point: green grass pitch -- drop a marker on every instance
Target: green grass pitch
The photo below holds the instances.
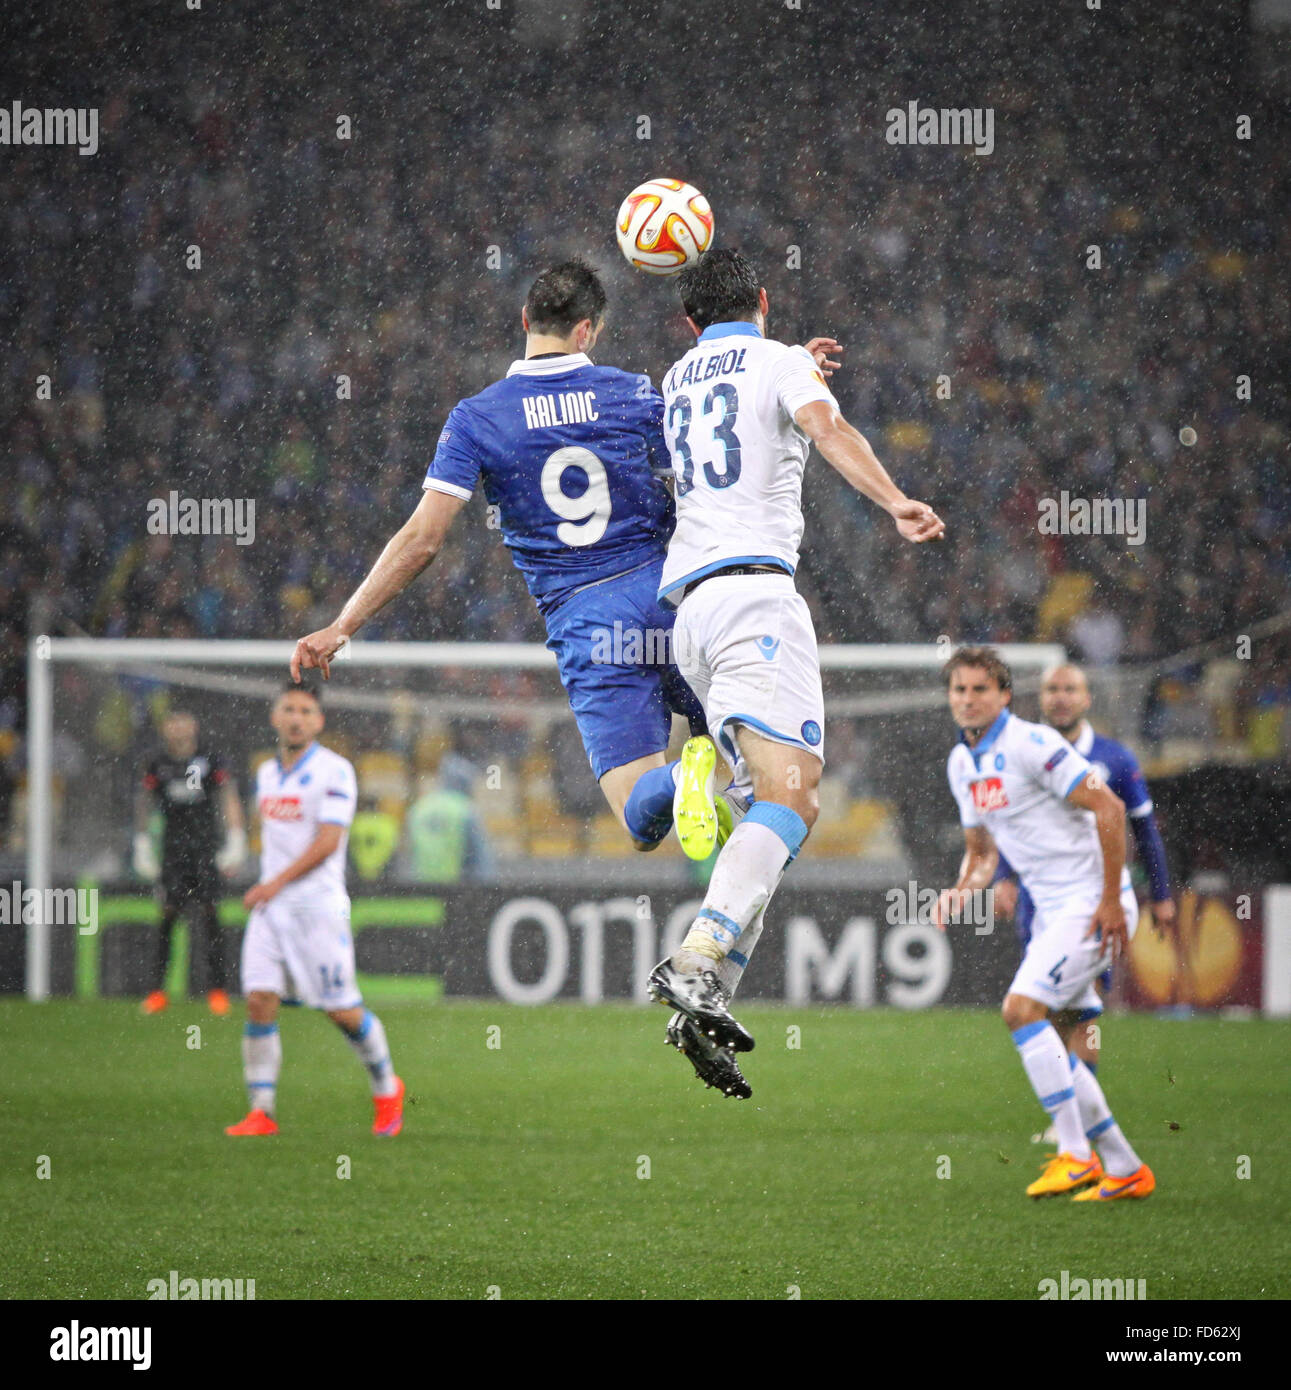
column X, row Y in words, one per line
column 523, row 1168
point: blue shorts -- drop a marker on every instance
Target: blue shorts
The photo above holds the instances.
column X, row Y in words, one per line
column 613, row 644
column 1023, row 918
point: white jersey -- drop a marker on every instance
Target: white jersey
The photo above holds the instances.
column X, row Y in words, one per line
column 319, row 789
column 737, row 455
column 1016, row 783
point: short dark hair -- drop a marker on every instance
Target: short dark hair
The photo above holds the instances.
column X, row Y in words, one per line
column 304, row 687
column 563, row 296
column 720, row 286
column 983, row 659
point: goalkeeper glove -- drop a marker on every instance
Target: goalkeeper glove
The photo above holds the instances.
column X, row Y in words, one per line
column 145, row 857
column 234, row 852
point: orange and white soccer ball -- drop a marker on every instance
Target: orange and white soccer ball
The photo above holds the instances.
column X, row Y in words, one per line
column 664, row 226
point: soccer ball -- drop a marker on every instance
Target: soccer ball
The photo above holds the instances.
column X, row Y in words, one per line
column 664, row 226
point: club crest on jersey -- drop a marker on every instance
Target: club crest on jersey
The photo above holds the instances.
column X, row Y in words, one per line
column 989, row 794
column 811, row 732
column 281, row 808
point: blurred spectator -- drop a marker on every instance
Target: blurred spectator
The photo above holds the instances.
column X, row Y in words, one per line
column 445, row 841
column 374, row 837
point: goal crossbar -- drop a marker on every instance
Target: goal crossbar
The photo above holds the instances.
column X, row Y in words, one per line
column 44, row 652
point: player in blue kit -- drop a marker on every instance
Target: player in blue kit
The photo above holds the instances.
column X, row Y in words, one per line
column 1064, row 705
column 574, row 458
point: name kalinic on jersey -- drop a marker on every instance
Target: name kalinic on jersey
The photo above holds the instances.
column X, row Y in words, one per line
column 569, row 408
column 572, row 456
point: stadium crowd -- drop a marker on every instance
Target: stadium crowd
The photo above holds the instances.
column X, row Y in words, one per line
column 350, row 290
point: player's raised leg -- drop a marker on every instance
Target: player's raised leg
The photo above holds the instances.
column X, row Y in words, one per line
column 650, row 796
column 640, row 794
column 785, row 779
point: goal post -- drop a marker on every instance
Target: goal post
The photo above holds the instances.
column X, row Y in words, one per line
column 399, row 707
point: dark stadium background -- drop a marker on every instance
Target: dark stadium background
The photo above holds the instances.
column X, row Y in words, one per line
column 517, row 129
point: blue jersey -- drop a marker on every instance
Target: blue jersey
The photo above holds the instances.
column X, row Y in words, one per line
column 573, row 456
column 1122, row 774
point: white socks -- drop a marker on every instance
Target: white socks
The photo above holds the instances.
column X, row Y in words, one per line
column 373, row 1051
column 1049, row 1073
column 730, row 970
column 744, row 877
column 1119, row 1159
column 261, row 1063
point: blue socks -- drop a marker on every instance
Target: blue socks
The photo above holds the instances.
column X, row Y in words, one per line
column 648, row 812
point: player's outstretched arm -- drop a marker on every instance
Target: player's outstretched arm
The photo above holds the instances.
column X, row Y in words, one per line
column 846, row 449
column 976, row 873
column 1109, row 817
column 408, row 552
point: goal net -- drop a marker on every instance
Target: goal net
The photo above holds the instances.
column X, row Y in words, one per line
column 473, row 788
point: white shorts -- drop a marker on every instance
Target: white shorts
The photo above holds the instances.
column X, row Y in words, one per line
column 302, row 949
column 747, row 648
column 1061, row 963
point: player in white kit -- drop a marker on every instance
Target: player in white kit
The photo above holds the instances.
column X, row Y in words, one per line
column 740, row 414
column 298, row 944
column 1023, row 788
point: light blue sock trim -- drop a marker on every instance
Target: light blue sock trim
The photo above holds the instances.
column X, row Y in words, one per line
column 1028, row 1031
column 364, row 1028
column 259, row 1030
column 737, row 958
column 1100, row 1127
column 1052, row 1102
column 726, row 926
column 783, row 820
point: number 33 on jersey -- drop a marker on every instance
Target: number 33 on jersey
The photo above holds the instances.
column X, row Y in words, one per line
column 737, row 455
column 572, row 455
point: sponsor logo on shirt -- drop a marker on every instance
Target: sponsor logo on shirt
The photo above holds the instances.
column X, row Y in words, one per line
column 281, row 808
column 988, row 794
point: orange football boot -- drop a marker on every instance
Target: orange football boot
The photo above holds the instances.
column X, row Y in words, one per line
column 257, row 1122
column 389, row 1112
column 1063, row 1173
column 1110, row 1189
column 155, row 1002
